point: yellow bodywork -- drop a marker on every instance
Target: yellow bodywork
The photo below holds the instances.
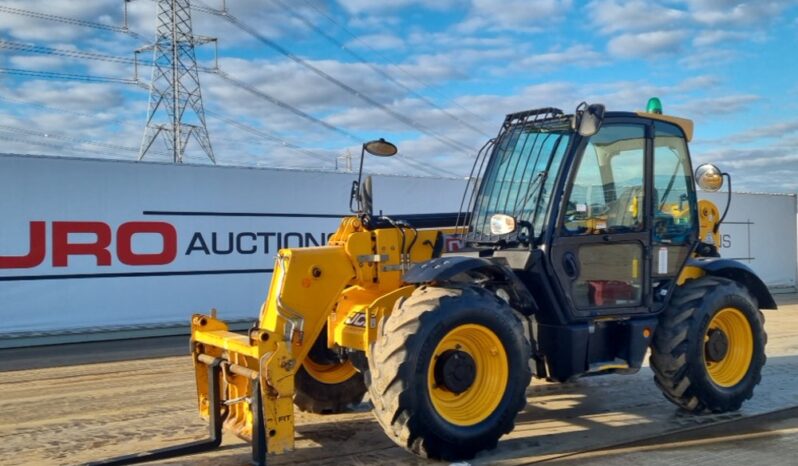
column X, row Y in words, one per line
column 683, row 123
column 349, row 286
column 708, row 230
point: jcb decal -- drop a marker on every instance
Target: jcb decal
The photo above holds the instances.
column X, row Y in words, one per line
column 357, row 319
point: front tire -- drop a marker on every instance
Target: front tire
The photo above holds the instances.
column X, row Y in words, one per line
column 449, row 372
column 709, row 348
column 326, row 384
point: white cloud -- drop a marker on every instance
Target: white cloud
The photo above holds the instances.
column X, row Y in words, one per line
column 612, row 16
column 647, row 44
column 752, row 168
column 524, row 15
column 710, row 58
column 489, row 64
column 29, row 28
column 722, row 105
column 361, row 6
column 735, row 12
column 780, row 130
column 580, row 55
column 85, row 96
column 37, row 62
column 719, row 36
column 382, row 41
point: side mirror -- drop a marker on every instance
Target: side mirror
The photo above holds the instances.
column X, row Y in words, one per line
column 360, row 194
column 709, row 177
column 381, row 148
column 588, row 119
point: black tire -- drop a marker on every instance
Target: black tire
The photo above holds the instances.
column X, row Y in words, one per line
column 312, row 395
column 678, row 353
column 401, row 360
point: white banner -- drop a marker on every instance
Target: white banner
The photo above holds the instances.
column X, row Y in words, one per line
column 760, row 231
column 93, row 243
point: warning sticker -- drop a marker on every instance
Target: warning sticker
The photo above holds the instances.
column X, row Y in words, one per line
column 662, row 263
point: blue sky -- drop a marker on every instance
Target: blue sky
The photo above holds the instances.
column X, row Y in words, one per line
column 457, row 67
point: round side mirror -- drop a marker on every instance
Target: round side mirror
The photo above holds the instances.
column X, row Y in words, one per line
column 708, row 177
column 381, row 148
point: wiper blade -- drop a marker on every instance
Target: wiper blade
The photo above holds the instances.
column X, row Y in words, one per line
column 541, row 175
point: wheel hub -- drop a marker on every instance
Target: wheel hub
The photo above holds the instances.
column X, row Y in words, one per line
column 717, row 346
column 455, row 371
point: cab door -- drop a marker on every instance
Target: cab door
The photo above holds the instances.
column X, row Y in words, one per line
column 600, row 249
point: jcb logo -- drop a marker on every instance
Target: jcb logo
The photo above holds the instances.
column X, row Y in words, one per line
column 356, row 320
column 63, row 247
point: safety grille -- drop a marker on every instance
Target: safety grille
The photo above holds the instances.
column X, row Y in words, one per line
column 510, row 171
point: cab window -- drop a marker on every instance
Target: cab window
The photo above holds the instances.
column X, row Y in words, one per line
column 607, row 194
column 673, row 217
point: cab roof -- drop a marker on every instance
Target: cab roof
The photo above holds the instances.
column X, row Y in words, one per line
column 555, row 114
column 685, row 124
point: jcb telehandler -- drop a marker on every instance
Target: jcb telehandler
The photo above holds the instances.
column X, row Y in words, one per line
column 582, row 246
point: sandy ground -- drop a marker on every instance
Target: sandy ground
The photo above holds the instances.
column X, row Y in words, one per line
column 70, row 414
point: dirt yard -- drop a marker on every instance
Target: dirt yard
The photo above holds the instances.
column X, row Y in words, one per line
column 78, row 413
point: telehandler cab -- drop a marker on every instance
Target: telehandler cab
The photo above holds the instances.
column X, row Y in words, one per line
column 582, row 246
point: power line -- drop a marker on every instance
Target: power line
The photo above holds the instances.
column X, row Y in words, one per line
column 240, row 84
column 258, row 132
column 72, row 21
column 39, row 142
column 111, row 58
column 371, row 101
column 288, row 107
column 43, row 50
column 117, row 59
column 59, row 109
column 384, row 58
column 80, row 54
column 65, row 76
column 126, row 60
column 62, row 137
column 301, row 114
column 261, row 94
column 267, row 135
column 374, row 67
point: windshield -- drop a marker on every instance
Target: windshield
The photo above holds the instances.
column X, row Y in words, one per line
column 520, row 175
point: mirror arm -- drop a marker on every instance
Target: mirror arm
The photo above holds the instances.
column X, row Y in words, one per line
column 526, row 232
column 353, row 197
column 728, row 204
column 360, row 170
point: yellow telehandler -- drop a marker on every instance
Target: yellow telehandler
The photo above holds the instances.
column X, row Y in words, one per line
column 582, row 245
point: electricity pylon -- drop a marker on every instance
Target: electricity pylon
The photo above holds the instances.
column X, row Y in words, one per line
column 175, row 107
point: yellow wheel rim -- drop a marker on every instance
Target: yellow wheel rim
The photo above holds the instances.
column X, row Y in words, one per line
column 478, row 401
column 731, row 369
column 330, row 374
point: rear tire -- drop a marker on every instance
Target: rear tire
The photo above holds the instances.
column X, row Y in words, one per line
column 688, row 366
column 417, row 405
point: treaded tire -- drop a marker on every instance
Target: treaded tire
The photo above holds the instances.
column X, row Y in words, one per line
column 400, row 362
column 313, row 396
column 677, row 351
